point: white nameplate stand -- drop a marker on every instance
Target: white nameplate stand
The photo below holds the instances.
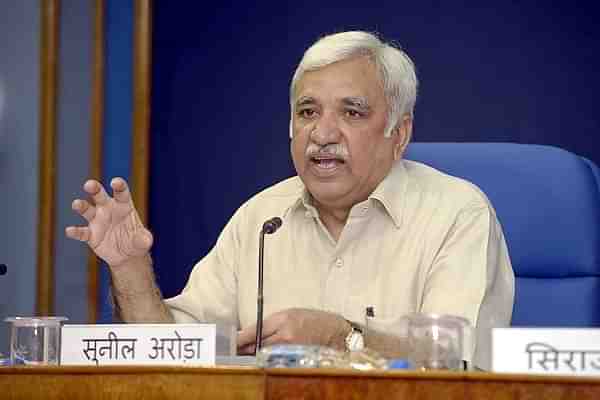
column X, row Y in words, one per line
column 138, row 344
column 562, row 351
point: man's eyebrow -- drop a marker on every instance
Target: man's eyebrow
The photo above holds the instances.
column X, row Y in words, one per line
column 304, row 100
column 359, row 102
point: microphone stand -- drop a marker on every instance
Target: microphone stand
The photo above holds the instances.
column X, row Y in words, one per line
column 260, row 298
column 270, row 226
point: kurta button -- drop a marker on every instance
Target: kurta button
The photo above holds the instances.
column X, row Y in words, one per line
column 339, row 263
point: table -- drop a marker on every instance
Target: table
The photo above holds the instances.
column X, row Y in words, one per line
column 183, row 383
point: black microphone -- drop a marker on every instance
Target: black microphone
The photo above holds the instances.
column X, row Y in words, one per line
column 269, row 227
column 3, row 269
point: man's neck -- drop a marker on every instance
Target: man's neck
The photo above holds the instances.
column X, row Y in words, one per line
column 334, row 219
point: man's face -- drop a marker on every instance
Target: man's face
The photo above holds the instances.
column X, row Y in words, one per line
column 341, row 106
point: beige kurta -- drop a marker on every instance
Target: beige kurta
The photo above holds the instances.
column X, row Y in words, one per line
column 423, row 241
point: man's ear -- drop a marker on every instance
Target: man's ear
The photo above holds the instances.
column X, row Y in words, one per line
column 402, row 135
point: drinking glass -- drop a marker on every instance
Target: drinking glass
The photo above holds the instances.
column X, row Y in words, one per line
column 435, row 341
column 35, row 340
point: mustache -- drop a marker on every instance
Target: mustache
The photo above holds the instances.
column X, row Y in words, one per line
column 334, row 149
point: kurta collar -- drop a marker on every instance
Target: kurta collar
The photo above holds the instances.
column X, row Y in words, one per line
column 390, row 193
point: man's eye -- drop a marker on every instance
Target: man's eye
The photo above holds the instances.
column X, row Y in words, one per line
column 307, row 113
column 353, row 114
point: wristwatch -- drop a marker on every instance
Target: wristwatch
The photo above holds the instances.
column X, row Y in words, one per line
column 355, row 340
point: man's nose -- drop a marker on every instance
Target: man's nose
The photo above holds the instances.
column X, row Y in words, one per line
column 325, row 131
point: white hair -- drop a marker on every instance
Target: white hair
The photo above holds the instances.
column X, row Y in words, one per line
column 396, row 69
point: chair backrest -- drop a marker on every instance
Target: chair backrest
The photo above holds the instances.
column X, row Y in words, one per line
column 548, row 202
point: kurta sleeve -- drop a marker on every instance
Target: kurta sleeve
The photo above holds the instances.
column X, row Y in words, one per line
column 210, row 292
column 472, row 277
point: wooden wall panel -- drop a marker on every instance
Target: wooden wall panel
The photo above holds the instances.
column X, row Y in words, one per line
column 97, row 129
column 50, row 12
column 142, row 75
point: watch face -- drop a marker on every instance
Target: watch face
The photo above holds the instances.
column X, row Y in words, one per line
column 355, row 341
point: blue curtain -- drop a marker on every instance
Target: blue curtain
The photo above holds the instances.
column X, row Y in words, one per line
column 220, row 111
column 117, row 112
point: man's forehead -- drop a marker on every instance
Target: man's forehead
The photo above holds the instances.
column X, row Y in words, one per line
column 353, row 82
column 356, row 101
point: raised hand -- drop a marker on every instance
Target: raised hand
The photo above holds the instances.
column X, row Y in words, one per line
column 114, row 231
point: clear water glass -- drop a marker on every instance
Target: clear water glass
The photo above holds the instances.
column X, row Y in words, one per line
column 435, row 341
column 35, row 340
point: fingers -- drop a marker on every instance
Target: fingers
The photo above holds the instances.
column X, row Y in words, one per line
column 120, row 190
column 99, row 195
column 96, row 190
column 81, row 233
column 103, row 216
column 246, row 336
column 84, row 208
column 249, row 349
column 276, row 339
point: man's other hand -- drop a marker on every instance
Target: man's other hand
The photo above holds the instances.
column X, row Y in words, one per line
column 296, row 326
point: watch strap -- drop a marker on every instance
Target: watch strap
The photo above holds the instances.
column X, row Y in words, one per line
column 354, row 340
column 355, row 327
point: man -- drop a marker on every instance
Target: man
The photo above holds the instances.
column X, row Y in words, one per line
column 361, row 227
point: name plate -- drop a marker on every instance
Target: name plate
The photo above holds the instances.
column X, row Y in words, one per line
column 563, row 351
column 138, row 344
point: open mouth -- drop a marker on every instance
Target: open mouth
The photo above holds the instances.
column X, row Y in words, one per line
column 327, row 163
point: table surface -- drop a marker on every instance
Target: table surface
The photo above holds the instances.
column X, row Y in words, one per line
column 183, row 383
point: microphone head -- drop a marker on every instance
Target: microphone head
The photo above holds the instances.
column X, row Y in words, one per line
column 3, row 269
column 271, row 225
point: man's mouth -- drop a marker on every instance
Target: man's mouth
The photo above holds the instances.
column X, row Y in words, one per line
column 326, row 162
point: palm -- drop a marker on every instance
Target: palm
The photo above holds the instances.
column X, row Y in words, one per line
column 114, row 231
column 112, row 239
